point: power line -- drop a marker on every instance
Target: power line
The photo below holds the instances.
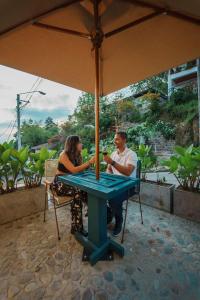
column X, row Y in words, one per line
column 35, row 88
column 12, row 129
column 32, row 87
column 19, row 107
column 28, row 98
column 39, row 83
column 4, row 132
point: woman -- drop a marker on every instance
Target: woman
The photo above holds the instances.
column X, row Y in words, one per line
column 70, row 162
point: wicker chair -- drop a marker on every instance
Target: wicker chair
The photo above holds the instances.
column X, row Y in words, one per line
column 137, row 192
column 58, row 201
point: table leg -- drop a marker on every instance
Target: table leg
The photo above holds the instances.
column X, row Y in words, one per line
column 97, row 220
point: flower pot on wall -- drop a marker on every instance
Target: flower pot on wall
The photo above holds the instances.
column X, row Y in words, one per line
column 157, row 195
column 187, row 204
column 21, row 203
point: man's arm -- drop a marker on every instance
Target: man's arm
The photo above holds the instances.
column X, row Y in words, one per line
column 125, row 170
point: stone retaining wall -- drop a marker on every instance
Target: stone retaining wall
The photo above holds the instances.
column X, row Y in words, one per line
column 21, row 203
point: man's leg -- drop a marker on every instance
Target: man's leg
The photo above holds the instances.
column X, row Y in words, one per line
column 116, row 206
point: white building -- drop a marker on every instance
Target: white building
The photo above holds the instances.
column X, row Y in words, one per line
column 183, row 76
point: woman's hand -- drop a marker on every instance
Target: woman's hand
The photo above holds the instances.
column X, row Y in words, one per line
column 92, row 160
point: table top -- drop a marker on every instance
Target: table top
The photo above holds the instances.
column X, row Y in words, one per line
column 107, row 186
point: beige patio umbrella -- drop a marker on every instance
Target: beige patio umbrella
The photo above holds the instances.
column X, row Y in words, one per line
column 98, row 46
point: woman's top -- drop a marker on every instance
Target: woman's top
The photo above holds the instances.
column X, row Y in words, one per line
column 61, row 167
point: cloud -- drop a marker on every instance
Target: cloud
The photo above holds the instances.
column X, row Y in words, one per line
column 58, row 103
column 4, row 86
column 57, row 114
column 4, row 125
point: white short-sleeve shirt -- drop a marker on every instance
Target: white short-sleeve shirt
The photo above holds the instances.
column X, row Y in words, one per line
column 125, row 158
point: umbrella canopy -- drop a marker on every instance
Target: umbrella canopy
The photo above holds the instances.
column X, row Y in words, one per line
column 35, row 37
column 106, row 44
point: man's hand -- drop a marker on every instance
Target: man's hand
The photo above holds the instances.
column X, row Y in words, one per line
column 107, row 159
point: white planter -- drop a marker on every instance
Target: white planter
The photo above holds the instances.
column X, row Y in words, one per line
column 158, row 196
column 21, row 203
column 187, row 204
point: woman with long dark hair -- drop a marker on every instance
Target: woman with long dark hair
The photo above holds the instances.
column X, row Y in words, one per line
column 70, row 162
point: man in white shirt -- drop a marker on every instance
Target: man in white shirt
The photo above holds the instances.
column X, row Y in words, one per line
column 123, row 161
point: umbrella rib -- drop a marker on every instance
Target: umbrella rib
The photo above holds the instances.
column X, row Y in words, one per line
column 44, row 14
column 134, row 23
column 169, row 12
column 62, row 30
column 183, row 17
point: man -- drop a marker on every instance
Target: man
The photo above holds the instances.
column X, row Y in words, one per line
column 123, row 161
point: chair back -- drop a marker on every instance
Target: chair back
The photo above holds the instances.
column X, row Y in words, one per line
column 50, row 169
column 138, row 174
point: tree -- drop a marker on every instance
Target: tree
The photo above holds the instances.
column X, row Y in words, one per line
column 157, row 83
column 49, row 123
column 51, row 127
column 33, row 134
column 84, row 112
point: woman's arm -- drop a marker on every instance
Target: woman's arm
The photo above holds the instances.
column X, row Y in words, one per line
column 109, row 169
column 69, row 165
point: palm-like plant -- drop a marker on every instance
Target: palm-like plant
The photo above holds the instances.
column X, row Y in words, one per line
column 11, row 164
column 35, row 167
column 185, row 165
column 147, row 159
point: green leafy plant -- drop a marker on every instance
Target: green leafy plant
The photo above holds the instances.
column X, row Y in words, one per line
column 185, row 165
column 148, row 160
column 11, row 164
column 166, row 129
column 34, row 169
column 141, row 130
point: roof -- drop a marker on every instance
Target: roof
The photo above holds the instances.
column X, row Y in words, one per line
column 141, row 38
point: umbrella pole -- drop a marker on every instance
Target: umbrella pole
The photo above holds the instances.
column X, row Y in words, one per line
column 97, row 39
column 97, row 96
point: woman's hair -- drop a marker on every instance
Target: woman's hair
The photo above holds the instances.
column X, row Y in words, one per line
column 71, row 149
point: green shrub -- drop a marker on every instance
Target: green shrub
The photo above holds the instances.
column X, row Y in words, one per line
column 33, row 171
column 11, row 165
column 148, row 160
column 18, row 165
column 185, row 165
column 167, row 129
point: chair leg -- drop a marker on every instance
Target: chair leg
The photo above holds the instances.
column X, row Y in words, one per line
column 124, row 225
column 45, row 203
column 140, row 209
column 58, row 232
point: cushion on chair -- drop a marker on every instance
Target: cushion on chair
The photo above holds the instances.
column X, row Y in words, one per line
column 60, row 200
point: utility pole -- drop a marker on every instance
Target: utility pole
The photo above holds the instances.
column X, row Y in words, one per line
column 198, row 85
column 18, row 108
column 19, row 144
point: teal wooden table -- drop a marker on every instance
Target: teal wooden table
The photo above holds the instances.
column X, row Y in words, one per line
column 99, row 191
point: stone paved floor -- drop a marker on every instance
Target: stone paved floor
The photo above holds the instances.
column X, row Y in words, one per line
column 162, row 261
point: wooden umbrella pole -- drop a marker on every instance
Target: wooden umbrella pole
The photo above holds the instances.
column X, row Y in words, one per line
column 97, row 41
column 97, row 96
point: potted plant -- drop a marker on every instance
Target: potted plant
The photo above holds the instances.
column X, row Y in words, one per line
column 33, row 170
column 11, row 163
column 185, row 165
column 157, row 193
column 17, row 201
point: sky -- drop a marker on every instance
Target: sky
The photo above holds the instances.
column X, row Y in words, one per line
column 58, row 103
